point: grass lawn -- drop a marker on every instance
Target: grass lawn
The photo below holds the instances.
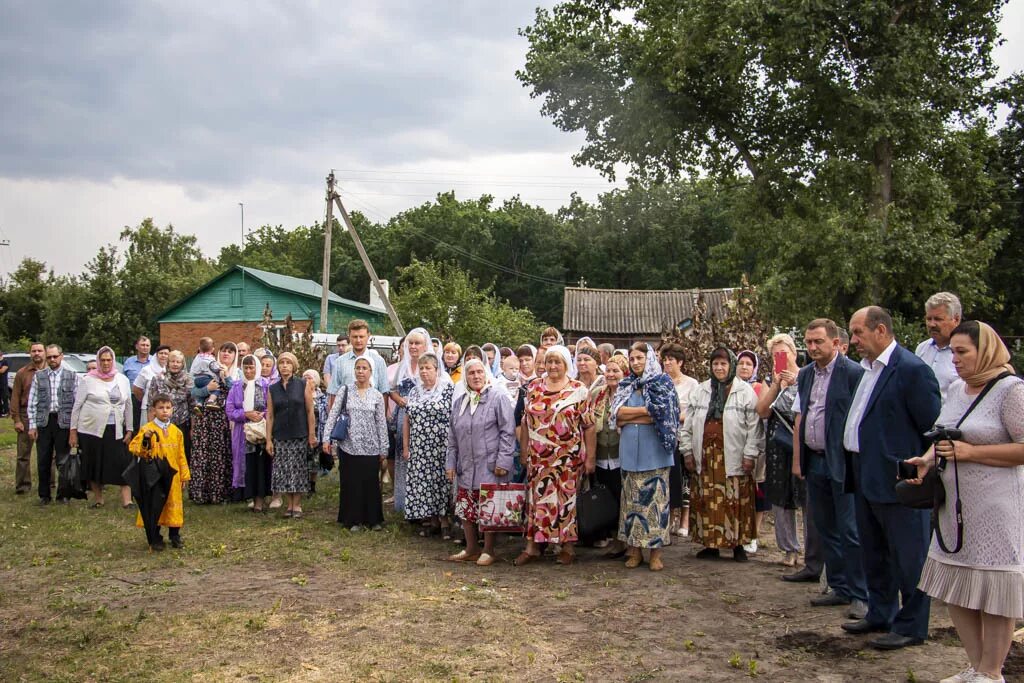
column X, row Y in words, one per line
column 259, row 598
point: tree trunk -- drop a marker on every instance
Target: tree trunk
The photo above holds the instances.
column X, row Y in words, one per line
column 880, row 202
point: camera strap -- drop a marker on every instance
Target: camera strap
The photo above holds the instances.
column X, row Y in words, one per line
column 940, row 466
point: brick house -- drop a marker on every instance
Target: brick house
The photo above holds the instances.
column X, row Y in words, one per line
column 230, row 307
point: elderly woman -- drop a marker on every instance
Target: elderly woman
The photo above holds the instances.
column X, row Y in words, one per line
column 320, row 414
column 212, row 460
column 526, row 355
column 672, row 358
column 557, row 444
column 451, row 357
column 407, row 378
column 291, row 432
column 363, row 451
column 982, row 584
column 425, row 435
column 646, row 412
column 247, row 404
column 608, row 471
column 721, row 439
column 784, row 491
column 481, row 446
column 101, row 423
column 268, row 368
column 177, row 384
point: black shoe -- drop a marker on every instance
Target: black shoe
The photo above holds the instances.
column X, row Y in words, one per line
column 804, row 574
column 157, row 546
column 176, row 542
column 709, row 554
column 739, row 554
column 830, row 600
column 863, row 626
column 894, row 641
column 43, row 502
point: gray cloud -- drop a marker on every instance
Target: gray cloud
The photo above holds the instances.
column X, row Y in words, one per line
column 228, row 92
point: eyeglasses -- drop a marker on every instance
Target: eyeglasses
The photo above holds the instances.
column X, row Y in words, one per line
column 53, row 357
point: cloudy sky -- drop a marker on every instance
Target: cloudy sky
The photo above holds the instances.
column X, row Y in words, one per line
column 115, row 111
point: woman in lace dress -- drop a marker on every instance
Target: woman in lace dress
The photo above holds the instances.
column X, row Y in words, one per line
column 983, row 583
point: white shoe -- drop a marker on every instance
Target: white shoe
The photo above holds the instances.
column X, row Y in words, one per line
column 751, row 547
column 962, row 677
column 275, row 503
column 252, row 504
column 979, row 677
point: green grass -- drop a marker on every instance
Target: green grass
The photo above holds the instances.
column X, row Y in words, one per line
column 8, row 437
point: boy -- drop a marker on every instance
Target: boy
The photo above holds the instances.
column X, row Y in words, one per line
column 160, row 439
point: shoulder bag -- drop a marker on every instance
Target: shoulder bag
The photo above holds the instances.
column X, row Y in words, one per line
column 340, row 431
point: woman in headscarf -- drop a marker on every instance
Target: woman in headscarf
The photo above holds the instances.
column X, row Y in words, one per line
column 407, row 378
column 247, row 403
column 363, row 451
column 425, row 435
column 212, row 458
column 177, row 384
column 588, row 369
column 784, row 491
column 982, row 584
column 608, row 470
column 101, row 422
column 527, row 355
column 558, row 444
column 721, row 439
column 451, row 357
column 746, row 369
column 291, row 432
column 268, row 368
column 493, row 358
column 481, row 444
column 646, row 412
column 320, row 417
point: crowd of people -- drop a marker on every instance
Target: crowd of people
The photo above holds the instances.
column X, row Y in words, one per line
column 680, row 458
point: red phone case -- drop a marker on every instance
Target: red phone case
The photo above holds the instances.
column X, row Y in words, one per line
column 781, row 361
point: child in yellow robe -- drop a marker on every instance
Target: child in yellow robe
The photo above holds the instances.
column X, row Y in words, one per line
column 167, row 442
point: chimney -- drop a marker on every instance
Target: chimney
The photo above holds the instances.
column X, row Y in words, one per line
column 374, row 299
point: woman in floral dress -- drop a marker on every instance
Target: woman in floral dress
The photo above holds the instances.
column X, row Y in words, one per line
column 428, row 492
column 558, row 443
column 407, row 377
column 211, row 462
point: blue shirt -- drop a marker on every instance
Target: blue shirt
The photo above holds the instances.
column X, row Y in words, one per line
column 640, row 448
column 940, row 360
column 329, row 365
column 133, row 366
column 345, row 372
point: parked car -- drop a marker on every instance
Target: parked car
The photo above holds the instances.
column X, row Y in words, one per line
column 16, row 361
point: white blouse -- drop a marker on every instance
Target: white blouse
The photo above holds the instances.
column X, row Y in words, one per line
column 96, row 403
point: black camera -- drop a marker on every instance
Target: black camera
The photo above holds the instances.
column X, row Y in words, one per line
column 943, row 433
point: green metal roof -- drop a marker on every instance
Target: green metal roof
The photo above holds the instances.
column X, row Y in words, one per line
column 305, row 287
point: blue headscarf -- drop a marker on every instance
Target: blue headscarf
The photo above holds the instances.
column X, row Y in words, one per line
column 659, row 398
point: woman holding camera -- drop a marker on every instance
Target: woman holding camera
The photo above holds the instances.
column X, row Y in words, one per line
column 982, row 584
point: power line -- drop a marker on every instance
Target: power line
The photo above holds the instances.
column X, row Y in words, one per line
column 434, row 194
column 458, row 173
column 473, row 257
column 442, row 181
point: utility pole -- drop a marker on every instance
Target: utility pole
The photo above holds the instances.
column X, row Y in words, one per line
column 331, row 194
column 326, row 280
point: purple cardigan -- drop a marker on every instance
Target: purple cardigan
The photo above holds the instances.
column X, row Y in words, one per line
column 480, row 442
column 236, row 414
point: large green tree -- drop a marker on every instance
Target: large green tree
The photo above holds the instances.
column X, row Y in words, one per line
column 838, row 114
column 21, row 315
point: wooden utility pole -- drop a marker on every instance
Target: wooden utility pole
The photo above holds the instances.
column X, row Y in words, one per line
column 325, row 282
column 331, row 194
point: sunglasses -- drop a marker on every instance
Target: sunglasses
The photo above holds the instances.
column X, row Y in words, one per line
column 53, row 357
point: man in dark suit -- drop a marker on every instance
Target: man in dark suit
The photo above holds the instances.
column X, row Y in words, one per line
column 896, row 402
column 825, row 390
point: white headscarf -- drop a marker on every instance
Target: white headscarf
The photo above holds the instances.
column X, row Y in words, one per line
column 249, row 390
column 405, row 369
column 490, row 380
column 473, row 397
column 423, row 395
column 564, row 354
column 496, row 364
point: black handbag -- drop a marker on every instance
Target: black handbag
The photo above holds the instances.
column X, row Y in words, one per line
column 596, row 510
column 69, row 476
column 930, row 494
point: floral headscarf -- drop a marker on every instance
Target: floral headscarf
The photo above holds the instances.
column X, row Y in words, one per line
column 660, row 399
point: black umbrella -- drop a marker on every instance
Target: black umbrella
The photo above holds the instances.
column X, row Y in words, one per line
column 150, row 481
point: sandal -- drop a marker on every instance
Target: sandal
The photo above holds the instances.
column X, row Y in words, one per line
column 128, row 506
column 566, row 557
column 486, row 560
column 463, row 556
column 96, row 505
column 525, row 558
column 287, row 514
column 296, row 514
column 634, row 561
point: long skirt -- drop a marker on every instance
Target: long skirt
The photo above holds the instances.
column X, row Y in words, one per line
column 290, row 474
column 721, row 507
column 644, row 511
column 257, row 473
column 401, row 466
column 553, row 480
column 359, row 502
column 211, row 458
column 103, row 458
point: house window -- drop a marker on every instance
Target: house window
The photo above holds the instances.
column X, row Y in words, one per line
column 236, row 297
